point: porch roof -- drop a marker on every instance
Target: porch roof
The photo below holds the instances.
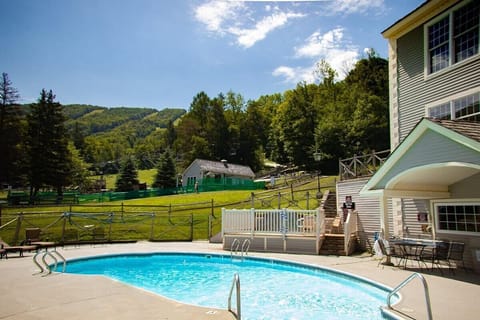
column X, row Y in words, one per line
column 411, row 172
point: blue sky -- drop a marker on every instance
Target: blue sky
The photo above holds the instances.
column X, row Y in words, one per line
column 161, row 53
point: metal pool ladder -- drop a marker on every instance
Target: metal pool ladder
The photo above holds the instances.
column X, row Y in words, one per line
column 55, row 255
column 236, row 285
column 236, row 246
column 404, row 283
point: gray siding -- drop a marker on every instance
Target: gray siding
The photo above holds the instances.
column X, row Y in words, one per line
column 411, row 208
column 432, row 148
column 468, row 188
column 368, row 209
column 416, row 90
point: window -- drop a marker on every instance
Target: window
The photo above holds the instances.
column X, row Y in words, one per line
column 454, row 37
column 465, row 108
column 458, row 217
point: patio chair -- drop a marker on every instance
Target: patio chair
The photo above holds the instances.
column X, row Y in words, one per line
column 20, row 249
column 99, row 235
column 388, row 251
column 455, row 255
column 33, row 237
column 437, row 255
column 70, row 236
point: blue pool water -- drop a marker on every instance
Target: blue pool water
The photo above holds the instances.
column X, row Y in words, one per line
column 269, row 289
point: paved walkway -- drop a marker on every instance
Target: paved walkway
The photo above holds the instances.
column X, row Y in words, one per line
column 66, row 296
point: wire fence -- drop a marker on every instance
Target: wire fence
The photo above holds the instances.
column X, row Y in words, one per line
column 92, row 223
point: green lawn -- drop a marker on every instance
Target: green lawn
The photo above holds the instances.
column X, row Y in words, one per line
column 165, row 218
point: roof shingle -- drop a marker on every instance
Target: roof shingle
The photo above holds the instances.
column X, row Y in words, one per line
column 466, row 128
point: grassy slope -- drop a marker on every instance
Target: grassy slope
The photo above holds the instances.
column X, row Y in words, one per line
column 175, row 217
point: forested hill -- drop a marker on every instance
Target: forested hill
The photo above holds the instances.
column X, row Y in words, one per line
column 96, row 119
column 105, row 135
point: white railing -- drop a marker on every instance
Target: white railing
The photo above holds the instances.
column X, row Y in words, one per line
column 350, row 228
column 275, row 221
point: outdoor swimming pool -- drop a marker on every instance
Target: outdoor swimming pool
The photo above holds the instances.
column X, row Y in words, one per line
column 270, row 289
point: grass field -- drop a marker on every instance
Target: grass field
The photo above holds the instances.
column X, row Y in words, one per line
column 166, row 218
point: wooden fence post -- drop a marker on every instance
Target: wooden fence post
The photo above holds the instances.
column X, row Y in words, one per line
column 213, row 210
column 64, row 224
column 308, row 200
column 209, row 231
column 151, row 225
column 191, row 226
column 17, row 228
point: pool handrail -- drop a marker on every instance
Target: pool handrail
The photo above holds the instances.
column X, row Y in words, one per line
column 404, row 283
column 54, row 254
column 235, row 284
column 245, row 247
column 234, row 247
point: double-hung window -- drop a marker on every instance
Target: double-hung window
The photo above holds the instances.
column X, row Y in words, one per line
column 465, row 107
column 454, row 37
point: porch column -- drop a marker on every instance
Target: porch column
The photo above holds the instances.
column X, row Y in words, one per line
column 384, row 225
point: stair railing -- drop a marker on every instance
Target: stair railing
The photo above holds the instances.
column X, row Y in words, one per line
column 350, row 228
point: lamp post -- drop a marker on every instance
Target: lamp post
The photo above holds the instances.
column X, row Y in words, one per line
column 317, row 156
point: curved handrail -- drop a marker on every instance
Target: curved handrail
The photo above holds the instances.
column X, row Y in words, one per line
column 235, row 284
column 404, row 283
column 37, row 263
column 47, row 253
column 55, row 255
column 245, row 246
column 64, row 261
column 234, row 247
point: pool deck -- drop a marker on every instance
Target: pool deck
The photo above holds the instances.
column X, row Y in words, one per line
column 25, row 296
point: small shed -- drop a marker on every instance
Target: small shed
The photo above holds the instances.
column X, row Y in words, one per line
column 200, row 169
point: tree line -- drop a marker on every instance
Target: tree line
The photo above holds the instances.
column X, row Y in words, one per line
column 43, row 148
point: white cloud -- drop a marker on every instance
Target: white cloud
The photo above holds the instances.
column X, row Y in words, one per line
column 229, row 17
column 248, row 37
column 331, row 47
column 214, row 13
column 354, row 6
column 295, row 75
column 318, row 44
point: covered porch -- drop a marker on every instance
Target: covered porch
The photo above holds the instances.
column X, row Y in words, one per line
column 429, row 187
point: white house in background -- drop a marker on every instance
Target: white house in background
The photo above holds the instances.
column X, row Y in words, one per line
column 220, row 170
column 430, row 184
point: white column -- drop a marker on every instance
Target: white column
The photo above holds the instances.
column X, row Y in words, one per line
column 384, row 225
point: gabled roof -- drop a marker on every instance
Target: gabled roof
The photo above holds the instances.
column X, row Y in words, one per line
column 427, row 179
column 423, row 13
column 226, row 168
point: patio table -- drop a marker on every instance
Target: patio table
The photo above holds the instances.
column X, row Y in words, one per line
column 413, row 249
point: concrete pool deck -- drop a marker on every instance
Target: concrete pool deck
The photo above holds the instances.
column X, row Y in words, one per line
column 24, row 295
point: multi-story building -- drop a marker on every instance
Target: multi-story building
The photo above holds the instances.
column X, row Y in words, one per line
column 429, row 185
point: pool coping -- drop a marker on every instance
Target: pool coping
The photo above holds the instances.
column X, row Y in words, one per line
column 60, row 296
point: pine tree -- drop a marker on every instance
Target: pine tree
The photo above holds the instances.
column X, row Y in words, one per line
column 166, row 173
column 47, row 144
column 128, row 178
column 12, row 131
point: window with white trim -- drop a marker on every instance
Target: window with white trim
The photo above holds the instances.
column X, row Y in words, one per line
column 458, row 217
column 454, row 37
column 466, row 108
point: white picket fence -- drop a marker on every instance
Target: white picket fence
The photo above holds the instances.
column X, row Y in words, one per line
column 275, row 221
